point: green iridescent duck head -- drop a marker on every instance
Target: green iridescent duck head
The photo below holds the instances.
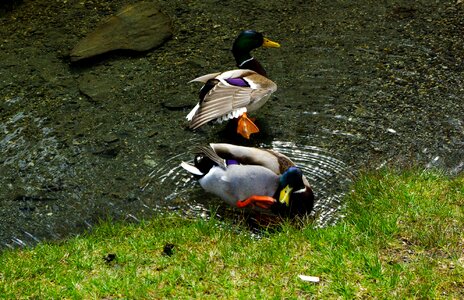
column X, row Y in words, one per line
column 245, row 42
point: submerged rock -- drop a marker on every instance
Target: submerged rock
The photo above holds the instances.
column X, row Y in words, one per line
column 97, row 88
column 140, row 27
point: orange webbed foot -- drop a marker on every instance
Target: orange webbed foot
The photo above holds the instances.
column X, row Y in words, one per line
column 264, row 202
column 246, row 127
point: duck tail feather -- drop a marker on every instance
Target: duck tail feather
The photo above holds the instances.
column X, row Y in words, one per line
column 192, row 169
column 211, row 154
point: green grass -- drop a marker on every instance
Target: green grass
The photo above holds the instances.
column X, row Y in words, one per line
column 402, row 237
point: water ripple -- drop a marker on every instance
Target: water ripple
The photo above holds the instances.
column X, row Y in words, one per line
column 329, row 177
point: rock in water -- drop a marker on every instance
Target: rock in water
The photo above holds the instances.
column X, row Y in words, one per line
column 141, row 26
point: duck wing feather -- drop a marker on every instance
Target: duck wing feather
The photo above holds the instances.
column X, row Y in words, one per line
column 220, row 100
column 275, row 161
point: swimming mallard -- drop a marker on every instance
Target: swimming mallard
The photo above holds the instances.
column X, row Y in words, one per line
column 252, row 177
column 231, row 94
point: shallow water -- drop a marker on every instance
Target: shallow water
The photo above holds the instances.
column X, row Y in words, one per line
column 361, row 85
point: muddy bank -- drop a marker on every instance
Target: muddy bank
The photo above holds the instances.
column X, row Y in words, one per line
column 371, row 84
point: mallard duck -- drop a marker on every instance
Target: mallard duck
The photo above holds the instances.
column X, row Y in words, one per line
column 262, row 179
column 231, row 94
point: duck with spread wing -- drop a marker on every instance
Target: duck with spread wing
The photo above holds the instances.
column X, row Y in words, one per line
column 232, row 94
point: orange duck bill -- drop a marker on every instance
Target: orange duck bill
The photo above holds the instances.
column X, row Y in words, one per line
column 246, row 127
column 264, row 202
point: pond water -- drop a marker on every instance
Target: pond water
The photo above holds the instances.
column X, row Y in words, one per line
column 361, row 85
